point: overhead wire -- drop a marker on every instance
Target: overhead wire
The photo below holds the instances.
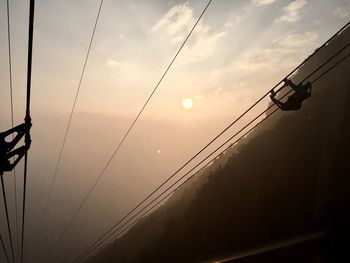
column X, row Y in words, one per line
column 195, row 167
column 7, row 215
column 298, row 67
column 71, row 115
column 92, row 248
column 12, row 111
column 331, row 68
column 222, row 152
column 229, row 126
column 201, row 162
column 132, row 124
column 3, row 247
column 27, row 118
column 184, row 182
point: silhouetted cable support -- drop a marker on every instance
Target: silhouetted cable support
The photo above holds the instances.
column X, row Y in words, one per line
column 3, row 247
column 12, row 112
column 7, row 216
column 71, row 113
column 9, row 154
column 27, row 119
column 222, row 132
column 134, row 122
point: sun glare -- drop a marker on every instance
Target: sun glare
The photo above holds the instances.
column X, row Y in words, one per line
column 187, row 103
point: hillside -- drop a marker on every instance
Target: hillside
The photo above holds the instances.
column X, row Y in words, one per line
column 289, row 177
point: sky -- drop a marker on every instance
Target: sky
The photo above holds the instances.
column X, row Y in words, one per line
column 238, row 51
column 219, row 68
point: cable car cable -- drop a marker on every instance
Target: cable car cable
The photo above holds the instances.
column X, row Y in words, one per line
column 322, row 65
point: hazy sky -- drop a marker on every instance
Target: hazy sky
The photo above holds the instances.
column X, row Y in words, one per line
column 221, row 67
column 239, row 50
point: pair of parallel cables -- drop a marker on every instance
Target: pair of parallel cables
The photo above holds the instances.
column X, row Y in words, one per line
column 65, row 229
column 103, row 239
column 27, row 138
column 126, row 134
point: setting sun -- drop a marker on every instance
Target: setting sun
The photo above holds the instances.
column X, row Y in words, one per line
column 187, row 103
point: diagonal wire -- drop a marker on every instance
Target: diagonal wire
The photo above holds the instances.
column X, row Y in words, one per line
column 24, row 202
column 12, row 112
column 193, row 168
column 71, row 115
column 7, row 216
column 132, row 125
column 86, row 252
column 209, row 162
column 187, row 179
column 3, row 247
column 331, row 68
column 222, row 132
column 292, row 72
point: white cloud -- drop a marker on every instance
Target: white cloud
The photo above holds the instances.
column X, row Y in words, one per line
column 113, row 63
column 233, row 22
column 203, row 48
column 126, row 66
column 341, row 12
column 178, row 20
column 177, row 23
column 292, row 11
column 284, row 51
column 258, row 66
column 296, row 41
column 263, row 2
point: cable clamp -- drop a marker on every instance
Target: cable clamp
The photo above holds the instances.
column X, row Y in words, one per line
column 8, row 144
column 294, row 101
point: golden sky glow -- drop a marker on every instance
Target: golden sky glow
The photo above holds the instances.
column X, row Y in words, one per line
column 238, row 51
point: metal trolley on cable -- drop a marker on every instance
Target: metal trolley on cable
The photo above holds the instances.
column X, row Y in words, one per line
column 294, row 101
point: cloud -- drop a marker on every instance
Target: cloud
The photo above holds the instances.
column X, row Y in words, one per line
column 341, row 12
column 177, row 23
column 263, row 2
column 113, row 63
column 233, row 22
column 284, row 51
column 126, row 66
column 292, row 11
column 202, row 49
column 259, row 66
column 122, row 37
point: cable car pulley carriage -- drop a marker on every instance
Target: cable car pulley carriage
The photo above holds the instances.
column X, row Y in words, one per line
column 294, row 101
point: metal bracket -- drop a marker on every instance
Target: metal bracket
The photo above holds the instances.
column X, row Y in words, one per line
column 294, row 101
column 7, row 151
